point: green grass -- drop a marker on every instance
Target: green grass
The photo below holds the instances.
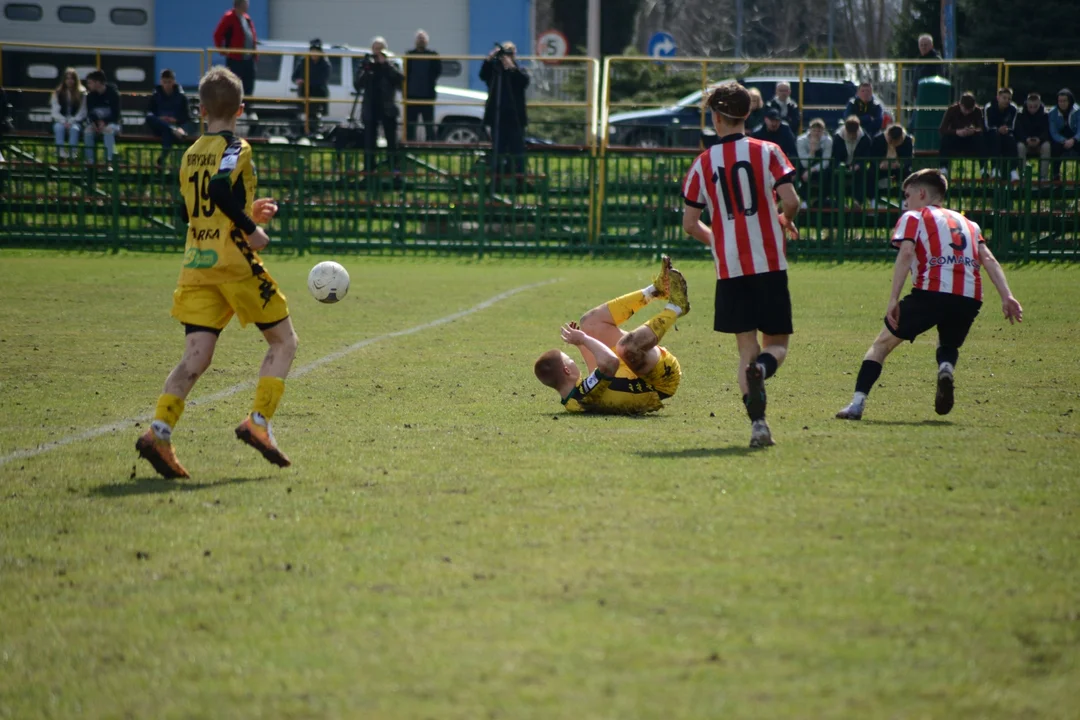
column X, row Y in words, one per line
column 450, row 544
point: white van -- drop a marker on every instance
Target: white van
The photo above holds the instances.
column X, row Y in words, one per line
column 458, row 116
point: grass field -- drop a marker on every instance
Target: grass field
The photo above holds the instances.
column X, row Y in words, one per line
column 449, row 544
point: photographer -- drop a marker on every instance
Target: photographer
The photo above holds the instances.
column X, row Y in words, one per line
column 504, row 111
column 318, row 76
column 378, row 81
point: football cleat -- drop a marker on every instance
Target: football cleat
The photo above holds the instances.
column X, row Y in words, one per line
column 662, row 281
column 755, row 398
column 261, row 438
column 760, row 435
column 851, row 412
column 677, row 294
column 943, row 399
column 160, row 454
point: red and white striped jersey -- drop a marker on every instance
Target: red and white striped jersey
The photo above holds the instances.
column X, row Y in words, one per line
column 735, row 180
column 946, row 250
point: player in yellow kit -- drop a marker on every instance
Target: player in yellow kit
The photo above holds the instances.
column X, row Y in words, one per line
column 223, row 276
column 629, row 373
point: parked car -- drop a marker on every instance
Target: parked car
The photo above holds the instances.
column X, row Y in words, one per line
column 679, row 125
column 459, row 114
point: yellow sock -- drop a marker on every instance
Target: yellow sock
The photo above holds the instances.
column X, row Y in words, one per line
column 663, row 322
column 267, row 396
column 623, row 308
column 169, row 409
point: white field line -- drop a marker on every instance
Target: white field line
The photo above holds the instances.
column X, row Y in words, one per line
column 247, row 385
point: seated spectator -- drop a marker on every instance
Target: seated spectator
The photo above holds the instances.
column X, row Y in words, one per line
column 167, row 115
column 318, row 74
column 960, row 130
column 815, row 150
column 102, row 115
column 999, row 118
column 6, row 125
column 851, row 149
column 927, row 52
column 1032, row 132
column 870, row 112
column 897, row 149
column 68, row 113
column 1064, row 122
column 775, row 131
column 757, row 110
column 788, row 108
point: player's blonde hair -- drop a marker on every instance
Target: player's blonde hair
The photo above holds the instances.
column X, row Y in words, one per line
column 221, row 93
column 548, row 367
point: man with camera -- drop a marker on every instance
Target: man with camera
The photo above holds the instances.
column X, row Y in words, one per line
column 504, row 111
column 378, row 81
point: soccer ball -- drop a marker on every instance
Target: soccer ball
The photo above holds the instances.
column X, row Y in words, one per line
column 328, row 282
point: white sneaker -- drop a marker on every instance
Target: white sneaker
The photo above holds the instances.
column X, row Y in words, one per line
column 760, row 435
column 944, row 171
column 872, row 204
column 63, row 153
column 851, row 412
column 1014, row 176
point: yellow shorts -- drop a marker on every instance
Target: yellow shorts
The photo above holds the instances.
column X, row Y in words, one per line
column 665, row 377
column 254, row 300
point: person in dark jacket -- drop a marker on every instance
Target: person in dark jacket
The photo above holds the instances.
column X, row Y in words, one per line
column 999, row 117
column 102, row 115
column 788, row 108
column 960, row 129
column 866, row 107
column 317, row 71
column 893, row 151
column 1032, row 132
column 1064, row 120
column 167, row 115
column 775, row 131
column 379, row 81
column 927, row 52
column 236, row 30
column 505, row 112
column 851, row 149
column 420, row 79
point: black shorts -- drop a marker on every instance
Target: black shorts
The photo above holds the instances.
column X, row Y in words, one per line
column 923, row 309
column 754, row 302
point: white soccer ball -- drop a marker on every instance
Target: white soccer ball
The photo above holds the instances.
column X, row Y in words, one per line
column 328, row 282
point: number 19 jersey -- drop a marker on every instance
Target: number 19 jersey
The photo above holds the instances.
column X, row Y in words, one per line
column 215, row 250
column 735, row 179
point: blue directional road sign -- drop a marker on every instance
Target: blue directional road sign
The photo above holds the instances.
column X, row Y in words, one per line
column 661, row 45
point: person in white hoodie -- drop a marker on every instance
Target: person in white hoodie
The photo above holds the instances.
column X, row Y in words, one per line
column 68, row 112
column 815, row 148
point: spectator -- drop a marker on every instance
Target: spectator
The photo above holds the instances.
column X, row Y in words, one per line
column 1064, row 122
column 927, row 52
column 6, row 126
column 1000, row 118
column 1033, row 133
column 775, row 131
column 102, row 115
column 505, row 112
column 68, row 113
column 788, row 108
column 866, row 107
column 379, row 81
column 236, row 30
column 167, row 115
column 420, row 79
column 897, row 149
column 815, row 149
column 851, row 149
column 960, row 130
column 757, row 111
column 317, row 71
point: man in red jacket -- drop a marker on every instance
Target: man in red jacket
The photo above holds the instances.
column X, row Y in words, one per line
column 236, row 30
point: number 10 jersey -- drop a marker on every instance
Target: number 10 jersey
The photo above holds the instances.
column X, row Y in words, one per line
column 736, row 179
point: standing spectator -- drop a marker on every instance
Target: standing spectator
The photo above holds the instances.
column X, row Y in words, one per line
column 775, row 131
column 870, row 112
column 68, row 113
column 1064, row 122
column 102, row 115
column 757, row 110
column 6, row 126
column 505, row 112
column 1000, row 118
column 379, row 81
column 897, row 149
column 236, row 30
column 960, row 130
column 788, row 108
column 420, row 79
column 851, row 149
column 927, row 52
column 815, row 149
column 167, row 114
column 318, row 75
column 1033, row 133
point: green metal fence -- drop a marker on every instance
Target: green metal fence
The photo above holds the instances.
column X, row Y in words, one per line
column 566, row 202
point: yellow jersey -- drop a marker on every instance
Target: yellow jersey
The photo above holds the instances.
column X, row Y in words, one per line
column 216, row 250
column 597, row 392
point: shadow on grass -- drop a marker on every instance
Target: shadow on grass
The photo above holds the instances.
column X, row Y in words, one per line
column 155, row 485
column 911, row 423
column 730, row 451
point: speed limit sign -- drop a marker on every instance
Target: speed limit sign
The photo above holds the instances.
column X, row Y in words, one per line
column 552, row 44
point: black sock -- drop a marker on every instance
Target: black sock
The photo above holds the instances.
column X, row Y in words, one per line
column 948, row 355
column 868, row 375
column 769, row 362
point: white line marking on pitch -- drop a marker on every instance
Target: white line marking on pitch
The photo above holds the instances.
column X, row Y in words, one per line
column 248, row 384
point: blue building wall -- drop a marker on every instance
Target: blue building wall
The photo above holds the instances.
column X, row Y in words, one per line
column 492, row 21
column 191, row 23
